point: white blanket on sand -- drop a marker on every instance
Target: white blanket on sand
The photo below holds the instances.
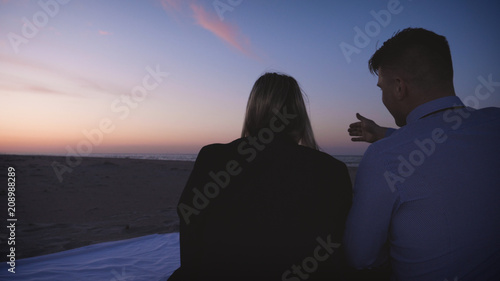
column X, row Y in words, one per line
column 152, row 257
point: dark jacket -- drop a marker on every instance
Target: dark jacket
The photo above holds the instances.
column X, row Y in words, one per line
column 263, row 211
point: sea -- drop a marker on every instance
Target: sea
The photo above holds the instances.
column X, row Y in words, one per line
column 349, row 160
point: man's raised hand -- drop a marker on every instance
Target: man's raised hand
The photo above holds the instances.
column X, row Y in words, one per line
column 366, row 130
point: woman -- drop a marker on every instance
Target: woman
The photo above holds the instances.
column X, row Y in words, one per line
column 267, row 206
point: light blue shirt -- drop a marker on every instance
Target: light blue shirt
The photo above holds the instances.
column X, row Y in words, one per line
column 428, row 196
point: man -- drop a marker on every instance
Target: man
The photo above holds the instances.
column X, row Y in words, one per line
column 426, row 196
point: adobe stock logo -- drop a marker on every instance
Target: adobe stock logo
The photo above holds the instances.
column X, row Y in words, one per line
column 372, row 29
column 221, row 179
column 225, row 6
column 424, row 149
column 322, row 252
column 121, row 107
column 30, row 28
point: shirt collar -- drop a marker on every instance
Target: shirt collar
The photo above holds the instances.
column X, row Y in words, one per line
column 431, row 106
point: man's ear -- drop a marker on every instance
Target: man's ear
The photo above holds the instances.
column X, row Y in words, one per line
column 401, row 89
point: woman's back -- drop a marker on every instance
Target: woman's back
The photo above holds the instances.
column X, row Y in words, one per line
column 278, row 212
column 264, row 207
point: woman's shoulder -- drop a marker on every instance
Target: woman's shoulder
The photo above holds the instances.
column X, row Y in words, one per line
column 217, row 152
column 221, row 147
column 320, row 156
column 242, row 148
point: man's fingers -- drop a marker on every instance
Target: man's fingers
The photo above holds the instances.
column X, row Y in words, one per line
column 362, row 118
column 354, row 128
column 355, row 131
column 355, row 125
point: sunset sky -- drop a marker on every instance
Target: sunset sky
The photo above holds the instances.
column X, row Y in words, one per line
column 169, row 76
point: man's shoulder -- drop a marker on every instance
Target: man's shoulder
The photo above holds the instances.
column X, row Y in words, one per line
column 465, row 121
column 490, row 113
column 492, row 109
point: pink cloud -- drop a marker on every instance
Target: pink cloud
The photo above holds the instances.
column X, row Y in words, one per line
column 102, row 32
column 173, row 8
column 171, row 4
column 225, row 31
column 19, row 75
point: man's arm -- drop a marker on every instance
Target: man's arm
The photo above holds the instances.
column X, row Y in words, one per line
column 368, row 222
column 367, row 130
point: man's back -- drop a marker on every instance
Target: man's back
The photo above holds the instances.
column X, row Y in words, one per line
column 437, row 181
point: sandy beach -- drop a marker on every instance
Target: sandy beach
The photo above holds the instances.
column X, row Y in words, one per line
column 102, row 199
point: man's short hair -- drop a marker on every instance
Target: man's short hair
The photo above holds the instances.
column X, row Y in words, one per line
column 422, row 55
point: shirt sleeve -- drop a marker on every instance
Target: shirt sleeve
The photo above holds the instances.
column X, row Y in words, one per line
column 389, row 132
column 368, row 222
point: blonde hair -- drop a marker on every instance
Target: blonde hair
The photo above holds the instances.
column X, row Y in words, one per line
column 274, row 92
